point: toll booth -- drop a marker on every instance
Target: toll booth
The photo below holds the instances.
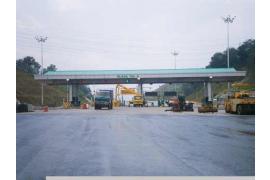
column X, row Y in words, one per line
column 151, row 98
column 167, row 95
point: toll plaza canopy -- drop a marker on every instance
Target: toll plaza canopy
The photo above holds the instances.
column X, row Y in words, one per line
column 141, row 76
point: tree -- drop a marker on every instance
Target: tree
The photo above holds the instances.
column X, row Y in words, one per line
column 235, row 61
column 242, row 58
column 51, row 67
column 246, row 49
column 249, row 46
column 28, row 65
column 218, row 60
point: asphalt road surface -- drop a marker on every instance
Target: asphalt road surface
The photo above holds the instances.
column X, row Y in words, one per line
column 133, row 141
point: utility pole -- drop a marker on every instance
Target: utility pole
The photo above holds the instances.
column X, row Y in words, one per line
column 174, row 53
column 228, row 20
column 41, row 40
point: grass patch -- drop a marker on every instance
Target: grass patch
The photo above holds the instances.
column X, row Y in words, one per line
column 28, row 90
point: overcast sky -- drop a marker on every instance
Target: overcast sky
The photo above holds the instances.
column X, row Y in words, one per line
column 130, row 34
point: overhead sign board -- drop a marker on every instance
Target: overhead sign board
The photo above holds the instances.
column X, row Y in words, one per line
column 127, row 76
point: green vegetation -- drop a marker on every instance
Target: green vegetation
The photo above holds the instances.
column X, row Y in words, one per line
column 242, row 58
column 28, row 65
column 28, row 90
column 51, row 67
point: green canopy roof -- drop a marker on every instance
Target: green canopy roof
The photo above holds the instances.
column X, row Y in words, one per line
column 142, row 71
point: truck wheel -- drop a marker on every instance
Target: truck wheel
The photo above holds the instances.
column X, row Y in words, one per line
column 239, row 110
column 227, row 109
column 252, row 109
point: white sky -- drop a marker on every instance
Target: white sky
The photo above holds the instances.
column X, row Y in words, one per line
column 130, row 34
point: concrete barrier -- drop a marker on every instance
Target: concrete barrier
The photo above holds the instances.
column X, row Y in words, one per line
column 85, row 106
column 24, row 107
column 45, row 108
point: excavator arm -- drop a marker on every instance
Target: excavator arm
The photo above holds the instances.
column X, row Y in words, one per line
column 123, row 90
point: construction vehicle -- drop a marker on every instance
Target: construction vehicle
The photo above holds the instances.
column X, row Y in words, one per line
column 241, row 99
column 189, row 106
column 207, row 106
column 178, row 104
column 104, row 98
column 137, row 99
column 161, row 102
column 122, row 90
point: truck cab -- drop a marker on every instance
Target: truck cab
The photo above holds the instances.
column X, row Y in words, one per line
column 137, row 101
column 241, row 102
column 104, row 98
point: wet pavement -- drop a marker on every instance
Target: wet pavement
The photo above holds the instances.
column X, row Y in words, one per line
column 134, row 141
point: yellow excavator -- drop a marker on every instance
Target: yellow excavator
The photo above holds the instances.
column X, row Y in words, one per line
column 242, row 99
column 137, row 99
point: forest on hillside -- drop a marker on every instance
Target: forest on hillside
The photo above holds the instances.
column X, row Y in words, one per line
column 28, row 90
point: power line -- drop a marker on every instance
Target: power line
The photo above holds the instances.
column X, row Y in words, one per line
column 76, row 51
column 91, row 47
column 118, row 42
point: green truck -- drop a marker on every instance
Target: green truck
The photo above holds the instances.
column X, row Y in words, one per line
column 104, row 98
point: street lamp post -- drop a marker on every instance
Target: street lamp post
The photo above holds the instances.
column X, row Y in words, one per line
column 228, row 20
column 209, row 89
column 140, row 85
column 174, row 53
column 41, row 40
column 67, row 89
column 94, row 95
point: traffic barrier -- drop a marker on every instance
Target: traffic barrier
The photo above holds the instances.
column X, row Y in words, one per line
column 85, row 106
column 66, row 105
column 45, row 108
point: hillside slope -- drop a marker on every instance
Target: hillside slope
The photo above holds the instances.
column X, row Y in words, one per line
column 29, row 91
column 192, row 91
